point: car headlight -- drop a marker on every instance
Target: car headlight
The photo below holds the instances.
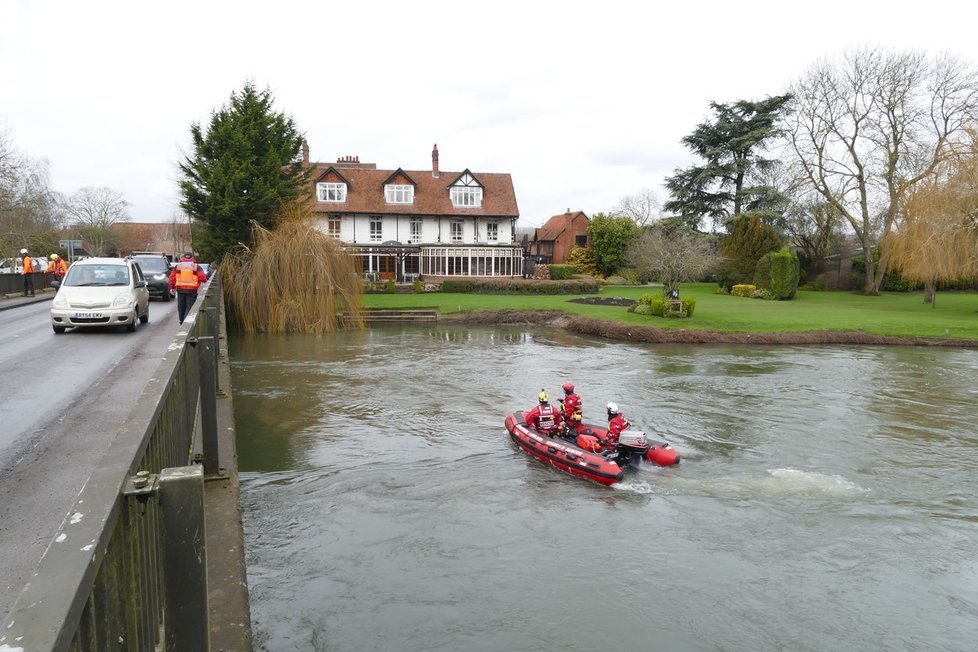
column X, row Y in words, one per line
column 122, row 301
column 60, row 301
column 159, row 277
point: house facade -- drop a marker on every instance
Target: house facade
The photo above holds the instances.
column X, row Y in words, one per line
column 406, row 224
column 552, row 242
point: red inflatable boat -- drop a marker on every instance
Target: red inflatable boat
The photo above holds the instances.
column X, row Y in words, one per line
column 579, row 452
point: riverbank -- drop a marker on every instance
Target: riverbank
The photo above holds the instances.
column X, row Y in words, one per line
column 648, row 334
column 810, row 318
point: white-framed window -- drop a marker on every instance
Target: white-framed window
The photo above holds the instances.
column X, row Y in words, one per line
column 466, row 196
column 466, row 193
column 492, row 231
column 331, row 192
column 376, row 229
column 456, row 230
column 415, row 236
column 399, row 193
column 333, row 228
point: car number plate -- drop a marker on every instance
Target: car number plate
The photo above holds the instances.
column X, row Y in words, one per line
column 87, row 315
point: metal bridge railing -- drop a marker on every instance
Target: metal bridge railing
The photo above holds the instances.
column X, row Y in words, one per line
column 127, row 568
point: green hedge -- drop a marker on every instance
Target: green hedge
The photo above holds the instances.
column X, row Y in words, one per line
column 519, row 286
column 562, row 272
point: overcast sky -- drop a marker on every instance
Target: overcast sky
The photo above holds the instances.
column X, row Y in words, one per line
column 582, row 103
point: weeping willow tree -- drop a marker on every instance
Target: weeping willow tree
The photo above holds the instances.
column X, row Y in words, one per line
column 294, row 279
column 938, row 240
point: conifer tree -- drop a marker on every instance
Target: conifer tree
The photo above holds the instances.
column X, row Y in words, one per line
column 246, row 165
column 728, row 183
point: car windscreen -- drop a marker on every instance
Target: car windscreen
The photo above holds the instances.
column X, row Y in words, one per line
column 91, row 275
column 152, row 264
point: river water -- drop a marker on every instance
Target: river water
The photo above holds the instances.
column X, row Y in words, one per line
column 827, row 498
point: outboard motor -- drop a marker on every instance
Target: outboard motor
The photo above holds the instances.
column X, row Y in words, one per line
column 632, row 447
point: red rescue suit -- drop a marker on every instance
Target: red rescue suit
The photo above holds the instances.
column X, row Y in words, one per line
column 543, row 418
column 572, row 404
column 616, row 425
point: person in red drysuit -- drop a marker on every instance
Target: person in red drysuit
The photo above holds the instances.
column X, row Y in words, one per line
column 617, row 423
column 571, row 405
column 543, row 417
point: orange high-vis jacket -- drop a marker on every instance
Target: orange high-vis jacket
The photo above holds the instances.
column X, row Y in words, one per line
column 187, row 276
column 57, row 267
column 28, row 264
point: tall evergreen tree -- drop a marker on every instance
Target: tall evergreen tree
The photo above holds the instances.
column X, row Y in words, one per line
column 244, row 168
column 727, row 183
column 749, row 239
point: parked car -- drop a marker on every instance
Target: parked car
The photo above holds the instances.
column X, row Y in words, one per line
column 101, row 292
column 156, row 269
column 206, row 267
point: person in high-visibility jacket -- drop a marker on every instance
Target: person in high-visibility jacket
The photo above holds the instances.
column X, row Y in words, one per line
column 57, row 267
column 28, row 264
column 186, row 278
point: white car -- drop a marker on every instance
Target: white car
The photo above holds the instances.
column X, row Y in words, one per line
column 101, row 292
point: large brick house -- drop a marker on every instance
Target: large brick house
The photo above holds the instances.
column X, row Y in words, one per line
column 553, row 241
column 404, row 224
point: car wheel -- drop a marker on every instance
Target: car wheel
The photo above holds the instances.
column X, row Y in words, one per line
column 145, row 318
column 58, row 330
column 135, row 322
column 166, row 296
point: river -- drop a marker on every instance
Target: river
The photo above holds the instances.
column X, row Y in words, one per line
column 827, row 497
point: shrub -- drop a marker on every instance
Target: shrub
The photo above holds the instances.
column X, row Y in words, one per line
column 777, row 272
column 583, row 259
column 743, row 290
column 814, row 286
column 562, row 272
column 616, row 280
column 389, row 287
column 689, row 305
column 418, row 289
column 761, row 293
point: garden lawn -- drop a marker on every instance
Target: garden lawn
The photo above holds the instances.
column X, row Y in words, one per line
column 896, row 314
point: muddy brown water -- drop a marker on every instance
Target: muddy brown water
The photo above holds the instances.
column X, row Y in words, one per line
column 827, row 498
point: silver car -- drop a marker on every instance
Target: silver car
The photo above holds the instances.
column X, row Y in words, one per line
column 101, row 292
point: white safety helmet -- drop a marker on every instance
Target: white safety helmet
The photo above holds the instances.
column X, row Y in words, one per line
column 23, row 251
column 612, row 408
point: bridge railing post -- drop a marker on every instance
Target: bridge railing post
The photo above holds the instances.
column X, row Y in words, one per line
column 181, row 498
column 207, row 361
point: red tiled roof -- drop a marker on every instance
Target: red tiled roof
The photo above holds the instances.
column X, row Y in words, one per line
column 365, row 191
column 556, row 225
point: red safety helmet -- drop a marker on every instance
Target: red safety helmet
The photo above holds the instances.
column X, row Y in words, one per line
column 568, row 387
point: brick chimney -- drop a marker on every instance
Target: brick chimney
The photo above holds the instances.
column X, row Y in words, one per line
column 305, row 152
column 434, row 161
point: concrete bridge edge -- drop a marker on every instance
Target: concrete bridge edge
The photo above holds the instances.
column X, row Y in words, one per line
column 229, row 610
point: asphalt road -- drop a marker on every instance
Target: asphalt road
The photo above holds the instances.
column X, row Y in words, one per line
column 62, row 398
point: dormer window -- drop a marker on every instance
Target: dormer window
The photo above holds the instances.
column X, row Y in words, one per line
column 333, row 192
column 466, row 192
column 398, row 193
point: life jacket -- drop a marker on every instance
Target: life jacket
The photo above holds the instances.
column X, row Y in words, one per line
column 546, row 419
column 58, row 267
column 28, row 264
column 572, row 404
column 187, row 276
